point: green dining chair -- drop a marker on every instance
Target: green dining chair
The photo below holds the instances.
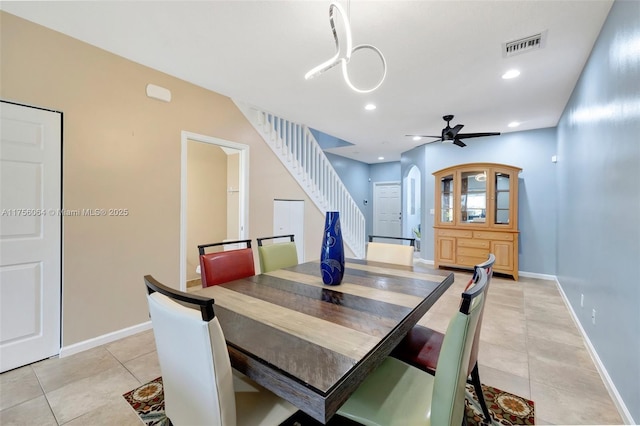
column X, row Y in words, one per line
column 397, row 393
column 422, row 345
column 277, row 255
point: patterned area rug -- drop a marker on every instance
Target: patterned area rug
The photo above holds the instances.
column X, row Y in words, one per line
column 506, row 408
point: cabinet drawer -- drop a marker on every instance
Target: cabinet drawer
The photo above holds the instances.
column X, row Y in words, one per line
column 470, row 260
column 476, row 252
column 462, row 242
column 454, row 233
column 488, row 235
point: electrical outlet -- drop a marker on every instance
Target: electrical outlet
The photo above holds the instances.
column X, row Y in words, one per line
column 593, row 317
column 582, row 300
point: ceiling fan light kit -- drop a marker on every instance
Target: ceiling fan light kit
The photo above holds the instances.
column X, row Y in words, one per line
column 349, row 50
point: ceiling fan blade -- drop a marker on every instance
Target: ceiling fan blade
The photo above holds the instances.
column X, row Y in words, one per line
column 476, row 135
column 458, row 142
column 430, row 142
column 425, row 136
column 454, row 130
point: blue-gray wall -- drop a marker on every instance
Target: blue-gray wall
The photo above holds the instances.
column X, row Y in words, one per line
column 355, row 177
column 599, row 199
column 327, row 141
column 530, row 150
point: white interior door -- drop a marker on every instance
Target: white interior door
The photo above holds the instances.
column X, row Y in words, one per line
column 387, row 209
column 288, row 218
column 30, row 234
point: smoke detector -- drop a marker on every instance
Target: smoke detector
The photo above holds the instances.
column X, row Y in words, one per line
column 524, row 45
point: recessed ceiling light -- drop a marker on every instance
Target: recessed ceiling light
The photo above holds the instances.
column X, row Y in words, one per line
column 510, row 74
column 380, row 158
column 370, row 107
column 513, row 124
column 417, row 138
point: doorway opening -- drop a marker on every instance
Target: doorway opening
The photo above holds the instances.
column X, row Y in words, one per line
column 413, row 206
column 214, row 196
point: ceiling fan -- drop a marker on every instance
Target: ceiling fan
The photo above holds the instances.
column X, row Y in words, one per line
column 451, row 135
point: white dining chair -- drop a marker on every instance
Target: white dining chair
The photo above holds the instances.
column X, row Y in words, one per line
column 196, row 371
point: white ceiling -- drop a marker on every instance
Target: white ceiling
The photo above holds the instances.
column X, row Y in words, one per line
column 444, row 57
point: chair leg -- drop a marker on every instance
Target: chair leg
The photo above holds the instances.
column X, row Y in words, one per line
column 475, row 380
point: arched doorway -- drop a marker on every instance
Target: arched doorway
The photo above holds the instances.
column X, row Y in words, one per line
column 413, row 205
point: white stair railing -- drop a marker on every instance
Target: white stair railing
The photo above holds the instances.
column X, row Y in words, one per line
column 298, row 150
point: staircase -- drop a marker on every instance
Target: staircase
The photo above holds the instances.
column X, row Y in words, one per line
column 299, row 151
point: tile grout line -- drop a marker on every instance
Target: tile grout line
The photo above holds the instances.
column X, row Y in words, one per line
column 46, row 398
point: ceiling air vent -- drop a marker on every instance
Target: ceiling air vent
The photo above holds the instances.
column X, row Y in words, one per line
column 524, row 45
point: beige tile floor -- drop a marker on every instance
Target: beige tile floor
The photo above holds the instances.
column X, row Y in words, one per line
column 529, row 346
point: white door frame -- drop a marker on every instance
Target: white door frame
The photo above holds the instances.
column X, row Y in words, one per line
column 243, row 188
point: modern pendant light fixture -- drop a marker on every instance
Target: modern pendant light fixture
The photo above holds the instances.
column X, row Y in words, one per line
column 344, row 59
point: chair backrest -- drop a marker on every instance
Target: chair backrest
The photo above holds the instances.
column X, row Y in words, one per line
column 447, row 406
column 487, row 265
column 224, row 266
column 412, row 241
column 277, row 255
column 398, row 254
column 195, row 366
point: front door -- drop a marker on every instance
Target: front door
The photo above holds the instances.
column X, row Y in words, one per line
column 387, row 209
column 30, row 234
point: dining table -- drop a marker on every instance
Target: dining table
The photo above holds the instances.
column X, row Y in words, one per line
column 314, row 344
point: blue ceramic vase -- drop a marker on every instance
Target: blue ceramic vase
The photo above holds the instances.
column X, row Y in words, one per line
column 332, row 255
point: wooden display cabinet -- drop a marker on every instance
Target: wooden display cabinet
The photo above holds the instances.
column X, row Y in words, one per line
column 476, row 213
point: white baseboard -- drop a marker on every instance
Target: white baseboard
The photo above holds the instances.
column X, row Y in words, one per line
column 105, row 338
column 521, row 273
column 608, row 383
column 537, row 275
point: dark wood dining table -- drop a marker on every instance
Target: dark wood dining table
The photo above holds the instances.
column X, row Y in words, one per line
column 313, row 344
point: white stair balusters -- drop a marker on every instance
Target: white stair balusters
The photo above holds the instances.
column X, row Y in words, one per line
column 298, row 150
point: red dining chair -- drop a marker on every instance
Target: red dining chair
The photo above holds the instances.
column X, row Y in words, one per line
column 422, row 345
column 223, row 266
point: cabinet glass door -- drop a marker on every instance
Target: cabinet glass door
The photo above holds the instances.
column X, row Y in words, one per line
column 446, row 199
column 502, row 184
column 473, row 197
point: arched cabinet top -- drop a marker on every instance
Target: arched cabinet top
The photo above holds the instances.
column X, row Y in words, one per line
column 476, row 165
